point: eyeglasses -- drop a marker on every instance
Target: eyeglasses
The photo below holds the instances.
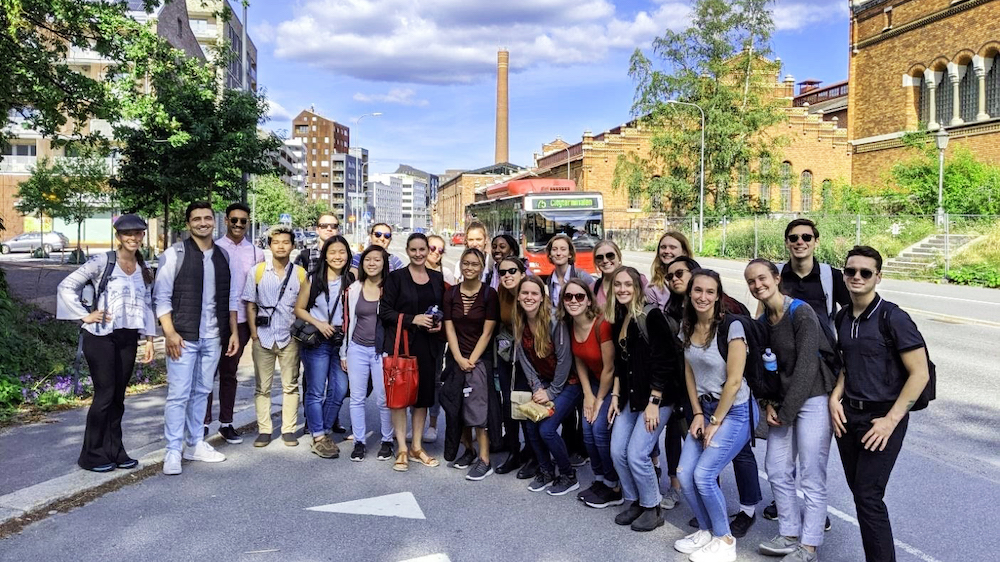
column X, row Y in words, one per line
column 237, row 220
column 436, row 249
column 386, row 235
column 578, row 297
column 472, row 264
column 610, row 256
column 677, row 273
column 329, row 225
column 510, row 271
column 852, row 271
column 793, row 238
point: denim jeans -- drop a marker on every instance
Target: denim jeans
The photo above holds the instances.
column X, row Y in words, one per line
column 597, row 440
column 544, row 435
column 700, row 467
column 807, row 441
column 631, row 446
column 326, row 386
column 364, row 362
column 189, row 380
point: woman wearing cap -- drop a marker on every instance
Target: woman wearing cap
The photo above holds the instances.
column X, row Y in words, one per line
column 123, row 310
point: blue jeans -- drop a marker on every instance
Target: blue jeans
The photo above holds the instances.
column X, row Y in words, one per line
column 326, row 386
column 631, row 446
column 700, row 467
column 597, row 440
column 189, row 381
column 362, row 363
column 544, row 435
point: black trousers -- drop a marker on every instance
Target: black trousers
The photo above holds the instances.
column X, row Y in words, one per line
column 511, row 427
column 867, row 475
column 227, row 379
column 111, row 360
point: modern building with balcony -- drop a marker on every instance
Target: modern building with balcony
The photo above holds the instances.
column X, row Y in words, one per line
column 214, row 33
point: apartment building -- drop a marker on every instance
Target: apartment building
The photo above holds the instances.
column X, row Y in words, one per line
column 291, row 161
column 385, row 200
column 214, row 33
column 328, row 166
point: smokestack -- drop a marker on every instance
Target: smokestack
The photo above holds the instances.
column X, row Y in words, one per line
column 502, row 155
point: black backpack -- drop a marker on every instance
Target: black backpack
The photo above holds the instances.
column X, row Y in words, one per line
column 829, row 357
column 102, row 284
column 763, row 384
column 930, row 391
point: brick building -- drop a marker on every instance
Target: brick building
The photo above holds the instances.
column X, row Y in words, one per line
column 922, row 62
column 326, row 173
column 459, row 190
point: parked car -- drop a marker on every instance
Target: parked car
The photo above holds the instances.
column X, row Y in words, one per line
column 309, row 239
column 31, row 240
column 458, row 239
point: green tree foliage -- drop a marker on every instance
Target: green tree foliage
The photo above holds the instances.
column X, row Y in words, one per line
column 274, row 198
column 971, row 187
column 718, row 63
column 41, row 193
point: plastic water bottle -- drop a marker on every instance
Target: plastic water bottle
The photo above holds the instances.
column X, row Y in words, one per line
column 770, row 360
column 435, row 313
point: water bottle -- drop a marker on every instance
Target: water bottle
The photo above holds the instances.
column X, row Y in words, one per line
column 435, row 313
column 770, row 360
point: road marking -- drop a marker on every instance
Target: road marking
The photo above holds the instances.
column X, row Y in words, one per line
column 849, row 519
column 439, row 557
column 402, row 505
column 973, row 301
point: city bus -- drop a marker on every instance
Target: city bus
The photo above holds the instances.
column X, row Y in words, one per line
column 534, row 210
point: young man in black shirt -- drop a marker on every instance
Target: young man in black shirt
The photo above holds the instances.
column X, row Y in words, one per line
column 881, row 380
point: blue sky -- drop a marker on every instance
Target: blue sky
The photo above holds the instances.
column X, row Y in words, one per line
column 429, row 67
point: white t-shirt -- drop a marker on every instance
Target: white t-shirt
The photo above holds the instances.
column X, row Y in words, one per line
column 709, row 367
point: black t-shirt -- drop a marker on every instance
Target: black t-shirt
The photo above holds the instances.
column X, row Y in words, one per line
column 810, row 289
column 873, row 372
column 469, row 325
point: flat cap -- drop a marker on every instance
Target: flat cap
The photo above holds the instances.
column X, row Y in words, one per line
column 130, row 222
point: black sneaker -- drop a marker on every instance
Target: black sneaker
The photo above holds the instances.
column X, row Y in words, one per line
column 576, row 460
column 693, row 522
column 479, row 471
column 741, row 524
column 230, row 434
column 385, row 452
column 529, row 470
column 358, row 454
column 465, row 461
column 771, row 512
column 337, row 428
column 542, row 480
column 650, row 519
column 289, row 440
column 629, row 514
column 607, row 497
column 564, row 484
column 828, row 525
column 262, row 440
column 594, row 490
column 512, row 463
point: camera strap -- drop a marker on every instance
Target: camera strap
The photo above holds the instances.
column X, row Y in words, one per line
column 281, row 291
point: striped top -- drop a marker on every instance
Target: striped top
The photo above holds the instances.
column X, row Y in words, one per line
column 265, row 296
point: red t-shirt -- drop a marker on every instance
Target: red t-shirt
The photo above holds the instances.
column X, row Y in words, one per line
column 590, row 350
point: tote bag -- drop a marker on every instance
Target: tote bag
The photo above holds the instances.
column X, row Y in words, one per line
column 401, row 374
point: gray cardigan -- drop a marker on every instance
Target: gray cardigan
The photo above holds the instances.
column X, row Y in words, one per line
column 564, row 361
column 796, row 340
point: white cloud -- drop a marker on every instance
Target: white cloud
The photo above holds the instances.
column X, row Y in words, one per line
column 263, row 32
column 276, row 112
column 797, row 14
column 455, row 41
column 401, row 96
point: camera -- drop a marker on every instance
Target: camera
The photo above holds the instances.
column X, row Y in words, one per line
column 262, row 321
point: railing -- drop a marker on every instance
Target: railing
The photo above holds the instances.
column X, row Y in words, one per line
column 18, row 164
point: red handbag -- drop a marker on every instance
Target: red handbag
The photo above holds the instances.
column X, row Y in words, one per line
column 402, row 377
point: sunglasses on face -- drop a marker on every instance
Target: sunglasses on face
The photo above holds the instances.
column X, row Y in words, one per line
column 578, row 297
column 510, row 271
column 610, row 256
column 793, row 238
column 237, row 220
column 675, row 274
column 329, row 225
column 850, row 272
column 436, row 249
column 386, row 235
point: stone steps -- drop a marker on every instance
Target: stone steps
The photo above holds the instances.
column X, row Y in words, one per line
column 923, row 256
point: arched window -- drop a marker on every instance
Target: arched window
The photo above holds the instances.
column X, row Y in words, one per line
column 764, row 196
column 826, row 192
column 806, row 191
column 925, row 102
column 993, row 89
column 944, row 100
column 786, row 186
column 968, row 94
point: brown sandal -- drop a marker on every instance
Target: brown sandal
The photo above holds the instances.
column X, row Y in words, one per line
column 401, row 465
column 421, row 456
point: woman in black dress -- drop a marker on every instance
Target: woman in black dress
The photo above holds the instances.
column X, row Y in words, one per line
column 413, row 292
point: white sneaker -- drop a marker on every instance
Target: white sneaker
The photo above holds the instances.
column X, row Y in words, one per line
column 430, row 434
column 203, row 452
column 670, row 499
column 172, row 463
column 693, row 542
column 716, row 551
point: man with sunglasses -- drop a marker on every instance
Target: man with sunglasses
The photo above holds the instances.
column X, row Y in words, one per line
column 327, row 226
column 243, row 255
column 379, row 235
column 803, row 277
column 885, row 372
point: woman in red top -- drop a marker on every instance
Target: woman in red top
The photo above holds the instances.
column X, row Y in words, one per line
column 594, row 355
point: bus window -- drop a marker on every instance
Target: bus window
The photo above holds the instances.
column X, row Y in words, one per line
column 583, row 227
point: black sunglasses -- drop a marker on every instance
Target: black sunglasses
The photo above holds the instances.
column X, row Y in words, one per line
column 237, row 220
column 850, row 272
column 329, row 225
column 793, row 238
column 436, row 249
column 510, row 271
column 606, row 257
column 386, row 235
column 678, row 273
column 578, row 297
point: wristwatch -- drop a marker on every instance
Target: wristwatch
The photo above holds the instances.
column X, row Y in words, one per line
column 713, row 420
column 654, row 400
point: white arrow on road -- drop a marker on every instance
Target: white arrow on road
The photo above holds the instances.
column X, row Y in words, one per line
column 402, row 505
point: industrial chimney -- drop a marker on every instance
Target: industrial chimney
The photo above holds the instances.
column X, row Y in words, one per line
column 502, row 103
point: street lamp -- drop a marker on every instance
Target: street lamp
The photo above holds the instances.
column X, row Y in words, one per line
column 941, row 139
column 701, row 193
column 359, row 196
column 567, row 160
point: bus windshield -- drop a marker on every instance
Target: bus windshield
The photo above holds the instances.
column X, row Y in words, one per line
column 583, row 227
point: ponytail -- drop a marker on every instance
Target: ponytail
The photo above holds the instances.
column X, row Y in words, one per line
column 147, row 273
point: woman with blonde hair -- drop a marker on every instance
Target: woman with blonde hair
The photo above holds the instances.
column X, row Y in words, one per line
column 671, row 245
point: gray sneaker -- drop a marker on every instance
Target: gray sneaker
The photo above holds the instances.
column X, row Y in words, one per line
column 670, row 499
column 479, row 471
column 800, row 554
column 779, row 546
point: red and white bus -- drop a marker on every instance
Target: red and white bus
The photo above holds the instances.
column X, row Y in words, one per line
column 534, row 210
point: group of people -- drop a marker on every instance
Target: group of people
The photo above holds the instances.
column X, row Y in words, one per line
column 624, row 367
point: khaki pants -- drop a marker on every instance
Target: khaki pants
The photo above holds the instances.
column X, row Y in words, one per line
column 263, row 364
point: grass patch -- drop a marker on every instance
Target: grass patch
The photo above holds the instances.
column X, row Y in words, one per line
column 979, row 263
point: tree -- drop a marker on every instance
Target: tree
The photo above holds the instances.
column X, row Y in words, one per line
column 273, row 198
column 971, row 187
column 719, row 64
column 85, row 190
column 40, row 194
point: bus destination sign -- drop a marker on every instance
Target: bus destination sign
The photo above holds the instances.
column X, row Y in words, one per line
column 563, row 203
